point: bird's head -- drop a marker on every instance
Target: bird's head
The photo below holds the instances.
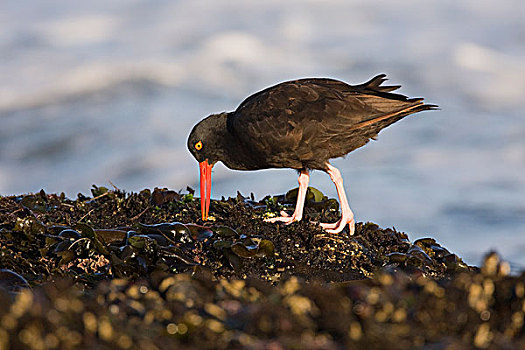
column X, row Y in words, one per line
column 204, row 144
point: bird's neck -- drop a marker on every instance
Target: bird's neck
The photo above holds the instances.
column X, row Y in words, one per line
column 230, row 150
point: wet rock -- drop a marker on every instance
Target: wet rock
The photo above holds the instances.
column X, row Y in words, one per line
column 110, row 236
column 161, row 196
column 11, row 281
column 102, row 280
column 175, row 231
column 30, row 226
column 419, row 255
column 69, row 234
column 397, row 257
column 36, row 203
column 225, row 232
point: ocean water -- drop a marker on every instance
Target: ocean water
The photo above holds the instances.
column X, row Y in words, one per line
column 97, row 92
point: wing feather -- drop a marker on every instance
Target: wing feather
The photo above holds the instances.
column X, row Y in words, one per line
column 304, row 123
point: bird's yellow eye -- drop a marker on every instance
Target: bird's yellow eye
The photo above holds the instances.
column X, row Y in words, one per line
column 198, row 146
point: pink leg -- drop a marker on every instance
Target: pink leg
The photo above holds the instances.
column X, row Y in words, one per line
column 347, row 217
column 303, row 180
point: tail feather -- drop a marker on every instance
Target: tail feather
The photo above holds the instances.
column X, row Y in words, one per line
column 373, row 87
column 398, row 114
column 375, row 84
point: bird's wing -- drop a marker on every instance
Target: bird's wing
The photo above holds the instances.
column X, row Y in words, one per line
column 303, row 123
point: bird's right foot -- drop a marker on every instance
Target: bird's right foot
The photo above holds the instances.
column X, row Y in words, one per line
column 338, row 226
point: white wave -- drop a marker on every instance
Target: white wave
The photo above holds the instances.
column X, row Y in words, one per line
column 90, row 78
column 80, row 30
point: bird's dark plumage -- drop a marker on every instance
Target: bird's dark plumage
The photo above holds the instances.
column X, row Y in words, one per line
column 301, row 124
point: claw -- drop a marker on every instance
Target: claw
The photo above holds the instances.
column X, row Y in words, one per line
column 339, row 226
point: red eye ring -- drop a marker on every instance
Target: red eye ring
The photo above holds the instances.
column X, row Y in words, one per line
column 198, row 146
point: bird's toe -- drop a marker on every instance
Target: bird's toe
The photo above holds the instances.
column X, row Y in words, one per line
column 339, row 226
column 329, row 225
column 351, row 226
column 285, row 219
column 336, row 230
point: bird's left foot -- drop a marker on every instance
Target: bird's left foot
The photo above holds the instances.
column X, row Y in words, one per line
column 338, row 226
column 287, row 219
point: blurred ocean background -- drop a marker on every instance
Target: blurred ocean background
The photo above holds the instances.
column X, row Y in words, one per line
column 99, row 91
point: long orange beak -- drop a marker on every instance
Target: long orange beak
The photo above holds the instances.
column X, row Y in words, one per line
column 205, row 170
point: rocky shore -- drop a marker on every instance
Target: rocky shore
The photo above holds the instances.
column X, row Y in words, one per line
column 142, row 271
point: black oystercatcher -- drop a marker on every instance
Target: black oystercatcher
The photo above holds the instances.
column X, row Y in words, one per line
column 299, row 124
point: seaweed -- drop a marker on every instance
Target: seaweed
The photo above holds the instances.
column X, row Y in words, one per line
column 141, row 270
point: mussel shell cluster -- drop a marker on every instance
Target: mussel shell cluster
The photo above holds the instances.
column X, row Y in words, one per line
column 426, row 252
